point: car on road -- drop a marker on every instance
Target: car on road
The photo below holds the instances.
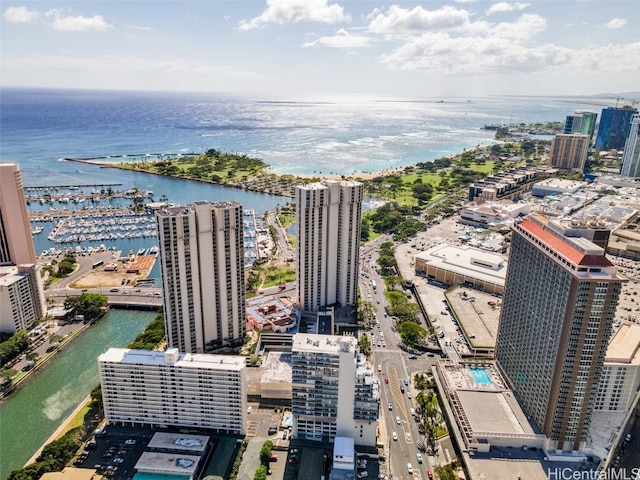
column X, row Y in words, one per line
column 390, row 406
column 273, row 430
column 429, row 474
column 130, row 442
column 398, row 420
column 408, row 394
column 386, row 379
column 294, row 455
column 362, row 474
column 405, row 381
column 118, row 460
column 419, row 457
column 412, row 357
column 273, row 458
column 409, row 468
column 395, row 436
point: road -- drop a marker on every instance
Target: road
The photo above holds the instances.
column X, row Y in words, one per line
column 394, row 366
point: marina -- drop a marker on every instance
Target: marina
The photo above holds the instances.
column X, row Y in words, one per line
column 85, row 222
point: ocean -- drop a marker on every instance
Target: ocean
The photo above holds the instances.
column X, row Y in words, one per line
column 330, row 135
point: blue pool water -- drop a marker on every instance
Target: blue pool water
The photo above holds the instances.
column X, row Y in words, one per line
column 151, row 476
column 480, row 375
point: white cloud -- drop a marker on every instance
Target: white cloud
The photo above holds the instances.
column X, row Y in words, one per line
column 472, row 55
column 398, row 20
column 20, row 15
column 525, row 27
column 138, row 27
column 506, row 7
column 482, row 48
column 69, row 23
column 297, row 11
column 57, row 19
column 342, row 39
column 616, row 23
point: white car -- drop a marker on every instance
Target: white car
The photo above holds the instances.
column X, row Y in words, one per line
column 395, row 436
column 409, row 468
column 398, row 420
column 419, row 457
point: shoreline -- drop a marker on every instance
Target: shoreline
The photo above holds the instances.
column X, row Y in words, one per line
column 60, row 430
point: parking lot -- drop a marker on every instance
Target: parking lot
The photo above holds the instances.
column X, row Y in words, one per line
column 116, row 452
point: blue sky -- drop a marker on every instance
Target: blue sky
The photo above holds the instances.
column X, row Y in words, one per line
column 325, row 47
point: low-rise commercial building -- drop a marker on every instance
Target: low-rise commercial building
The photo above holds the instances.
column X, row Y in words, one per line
column 451, row 265
column 162, row 389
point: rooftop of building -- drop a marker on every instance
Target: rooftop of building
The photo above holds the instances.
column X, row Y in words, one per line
column 326, row 183
column 269, row 309
column 184, row 360
column 276, row 368
column 178, row 441
column 489, row 406
column 624, row 346
column 466, row 260
column 576, row 250
column 478, row 314
column 561, row 184
column 310, row 342
column 183, row 209
column 168, row 463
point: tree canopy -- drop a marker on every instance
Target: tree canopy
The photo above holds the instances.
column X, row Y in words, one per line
column 91, row 305
column 411, row 333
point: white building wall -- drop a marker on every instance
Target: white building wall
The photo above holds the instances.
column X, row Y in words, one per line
column 328, row 217
column 202, row 263
column 618, row 388
column 151, row 388
column 22, row 302
column 316, row 361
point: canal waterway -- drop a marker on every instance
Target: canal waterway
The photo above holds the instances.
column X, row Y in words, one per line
column 30, row 415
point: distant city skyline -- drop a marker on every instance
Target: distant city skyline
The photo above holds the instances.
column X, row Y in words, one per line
column 325, row 47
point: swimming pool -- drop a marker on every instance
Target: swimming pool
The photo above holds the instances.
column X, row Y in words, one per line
column 480, row 375
column 158, row 476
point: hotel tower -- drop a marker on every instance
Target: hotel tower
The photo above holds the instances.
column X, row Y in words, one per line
column 556, row 319
column 22, row 301
column 202, row 264
column 328, row 217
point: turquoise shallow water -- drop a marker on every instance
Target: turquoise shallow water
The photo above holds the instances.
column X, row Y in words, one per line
column 480, row 375
column 149, row 476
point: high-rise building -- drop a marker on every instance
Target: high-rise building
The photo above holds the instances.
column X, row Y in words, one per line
column 615, row 124
column 581, row 122
column 22, row 301
column 328, row 218
column 16, row 241
column 556, row 319
column 631, row 156
column 569, row 151
column 621, row 373
column 172, row 389
column 334, row 390
column 202, row 266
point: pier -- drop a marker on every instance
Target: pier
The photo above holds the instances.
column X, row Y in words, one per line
column 72, row 187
